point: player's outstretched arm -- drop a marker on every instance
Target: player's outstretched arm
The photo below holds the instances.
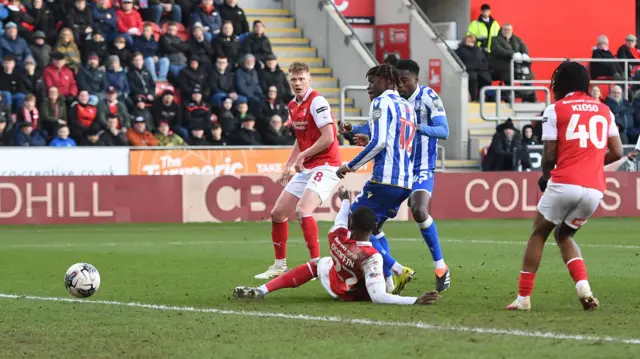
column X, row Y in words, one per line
column 342, row 218
column 440, row 126
column 379, row 123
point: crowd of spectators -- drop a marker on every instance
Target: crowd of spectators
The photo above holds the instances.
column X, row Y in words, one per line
column 140, row 73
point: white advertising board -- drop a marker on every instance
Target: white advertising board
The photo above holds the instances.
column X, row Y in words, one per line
column 64, row 161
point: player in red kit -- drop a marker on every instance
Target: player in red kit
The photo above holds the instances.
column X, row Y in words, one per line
column 580, row 136
column 354, row 270
column 310, row 173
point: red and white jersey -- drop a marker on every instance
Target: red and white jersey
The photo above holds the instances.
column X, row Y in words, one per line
column 355, row 264
column 308, row 116
column 582, row 126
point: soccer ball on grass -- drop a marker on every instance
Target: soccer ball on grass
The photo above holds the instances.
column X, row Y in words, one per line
column 82, row 280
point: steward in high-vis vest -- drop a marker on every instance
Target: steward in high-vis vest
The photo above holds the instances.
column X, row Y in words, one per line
column 485, row 28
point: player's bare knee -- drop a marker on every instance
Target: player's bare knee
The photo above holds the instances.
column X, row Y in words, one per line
column 420, row 215
column 277, row 215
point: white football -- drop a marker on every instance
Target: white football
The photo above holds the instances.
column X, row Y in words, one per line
column 82, row 280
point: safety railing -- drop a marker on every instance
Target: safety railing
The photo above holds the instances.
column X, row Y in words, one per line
column 626, row 62
column 513, row 89
column 343, row 96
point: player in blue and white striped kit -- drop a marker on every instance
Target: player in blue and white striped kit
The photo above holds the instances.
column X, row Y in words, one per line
column 392, row 124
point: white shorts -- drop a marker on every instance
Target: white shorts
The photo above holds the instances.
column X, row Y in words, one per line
column 321, row 180
column 568, row 203
column 324, row 266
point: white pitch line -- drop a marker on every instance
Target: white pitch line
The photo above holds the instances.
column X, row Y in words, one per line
column 334, row 319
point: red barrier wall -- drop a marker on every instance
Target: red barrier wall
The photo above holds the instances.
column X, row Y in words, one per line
column 71, row 200
column 566, row 28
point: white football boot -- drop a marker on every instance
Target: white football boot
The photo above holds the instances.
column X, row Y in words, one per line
column 272, row 272
column 588, row 301
column 521, row 303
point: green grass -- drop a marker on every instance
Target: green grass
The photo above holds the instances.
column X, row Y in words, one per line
column 199, row 265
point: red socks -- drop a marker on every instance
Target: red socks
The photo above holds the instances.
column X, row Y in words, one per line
column 577, row 269
column 525, row 284
column 310, row 234
column 279, row 236
column 294, row 278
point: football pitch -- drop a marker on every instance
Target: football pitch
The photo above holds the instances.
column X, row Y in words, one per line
column 166, row 293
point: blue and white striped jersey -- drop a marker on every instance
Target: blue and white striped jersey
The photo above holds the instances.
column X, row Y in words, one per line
column 429, row 112
column 392, row 126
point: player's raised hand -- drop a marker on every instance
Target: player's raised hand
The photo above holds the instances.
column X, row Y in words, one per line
column 343, row 194
column 342, row 171
column 345, row 127
column 428, row 298
column 361, row 139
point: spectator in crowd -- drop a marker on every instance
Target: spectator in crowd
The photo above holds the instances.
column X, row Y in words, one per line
column 484, row 28
column 112, row 106
column 12, row 44
column 53, row 112
column 187, row 7
column 115, row 134
column 215, row 135
column 228, row 120
column 207, row 15
column 191, row 77
column 90, row 137
column 166, row 137
column 228, row 45
column 11, row 83
column 93, row 79
column 28, row 136
column 504, row 47
column 604, row 69
column 62, row 138
column 142, row 110
column 118, row 78
column 197, row 113
column 248, row 83
column 528, row 138
column 622, row 110
column 19, row 15
column 174, row 48
column 276, row 134
column 140, row 80
column 32, row 81
column 596, row 93
column 165, row 108
column 95, row 45
column 147, row 45
column 506, row 150
column 6, row 131
column 66, row 45
column 221, row 82
column 60, row 76
column 200, row 48
column 230, row 11
column 83, row 115
column 272, row 75
column 247, row 135
column 270, row 107
column 630, row 51
column 258, row 44
column 79, row 19
column 139, row 135
column 160, row 7
column 129, row 21
column 119, row 49
column 5, row 110
column 40, row 49
column 105, row 19
column 197, row 137
column 477, row 64
column 29, row 112
column 45, row 22
column 633, row 131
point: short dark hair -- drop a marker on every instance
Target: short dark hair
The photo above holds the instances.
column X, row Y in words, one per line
column 8, row 57
column 256, row 22
column 570, row 76
column 485, row 7
column 386, row 71
column 409, row 65
column 363, row 219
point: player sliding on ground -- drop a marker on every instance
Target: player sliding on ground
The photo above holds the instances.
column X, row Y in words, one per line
column 577, row 131
column 392, row 123
column 315, row 157
column 354, row 270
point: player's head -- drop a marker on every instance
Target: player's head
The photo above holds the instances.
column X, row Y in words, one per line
column 382, row 78
column 363, row 223
column 569, row 77
column 408, row 71
column 299, row 78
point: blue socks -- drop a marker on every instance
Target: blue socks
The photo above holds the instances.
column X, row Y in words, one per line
column 380, row 243
column 430, row 235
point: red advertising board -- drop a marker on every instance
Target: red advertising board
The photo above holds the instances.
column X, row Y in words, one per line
column 392, row 39
column 90, row 200
column 359, row 13
column 435, row 74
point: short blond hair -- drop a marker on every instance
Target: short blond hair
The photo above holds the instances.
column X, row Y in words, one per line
column 297, row 67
